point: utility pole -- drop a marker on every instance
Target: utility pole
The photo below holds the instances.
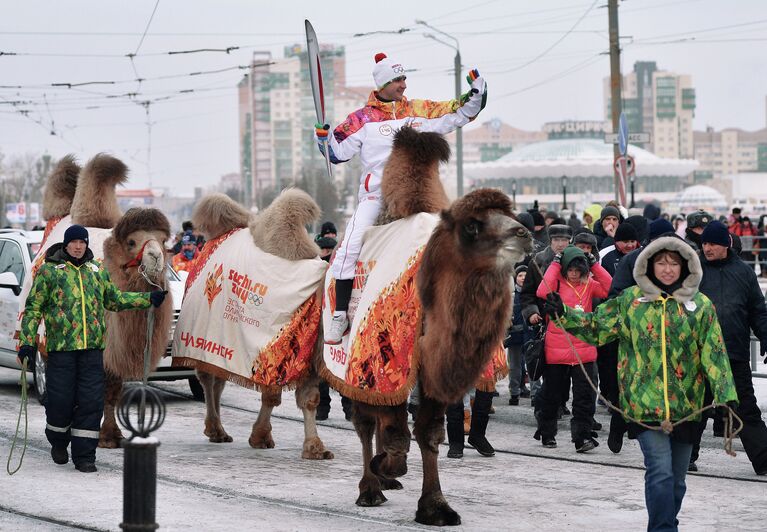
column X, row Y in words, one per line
column 615, row 79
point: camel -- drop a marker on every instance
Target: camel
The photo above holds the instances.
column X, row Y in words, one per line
column 137, row 242
column 90, row 200
column 464, row 288
column 278, row 230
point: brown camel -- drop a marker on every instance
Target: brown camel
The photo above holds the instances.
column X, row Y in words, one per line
column 136, row 243
column 90, row 200
column 465, row 291
column 278, row 230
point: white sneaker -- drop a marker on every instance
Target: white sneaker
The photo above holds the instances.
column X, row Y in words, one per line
column 338, row 327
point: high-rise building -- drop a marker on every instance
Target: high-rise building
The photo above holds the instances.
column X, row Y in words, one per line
column 730, row 151
column 660, row 103
column 276, row 110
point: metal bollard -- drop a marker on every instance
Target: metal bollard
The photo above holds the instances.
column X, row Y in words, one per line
column 141, row 411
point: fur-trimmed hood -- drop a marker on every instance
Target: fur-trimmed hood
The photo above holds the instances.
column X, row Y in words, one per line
column 672, row 243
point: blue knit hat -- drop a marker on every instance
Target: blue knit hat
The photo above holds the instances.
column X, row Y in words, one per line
column 716, row 233
column 659, row 227
column 75, row 232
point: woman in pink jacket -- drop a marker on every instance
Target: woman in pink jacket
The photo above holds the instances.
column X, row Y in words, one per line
column 577, row 278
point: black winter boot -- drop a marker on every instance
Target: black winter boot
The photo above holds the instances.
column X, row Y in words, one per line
column 480, row 415
column 454, row 415
column 60, row 455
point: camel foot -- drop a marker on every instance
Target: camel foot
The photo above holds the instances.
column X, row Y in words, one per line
column 436, row 511
column 217, row 435
column 314, row 449
column 389, row 466
column 390, row 484
column 261, row 439
column 370, row 497
column 110, row 438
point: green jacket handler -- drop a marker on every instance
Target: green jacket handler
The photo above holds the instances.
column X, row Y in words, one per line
column 70, row 293
column 669, row 343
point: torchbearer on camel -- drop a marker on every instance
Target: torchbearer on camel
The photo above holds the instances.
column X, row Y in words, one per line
column 369, row 133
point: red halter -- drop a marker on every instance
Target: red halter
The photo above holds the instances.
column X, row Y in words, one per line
column 135, row 262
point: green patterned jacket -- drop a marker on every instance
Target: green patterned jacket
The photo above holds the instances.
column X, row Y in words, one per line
column 72, row 299
column 668, row 345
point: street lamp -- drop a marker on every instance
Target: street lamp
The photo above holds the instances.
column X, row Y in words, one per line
column 457, row 72
column 514, row 194
column 632, row 204
column 564, row 192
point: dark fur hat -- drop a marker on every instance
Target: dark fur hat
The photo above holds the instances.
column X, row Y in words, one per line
column 558, row 230
column 141, row 219
column 585, row 236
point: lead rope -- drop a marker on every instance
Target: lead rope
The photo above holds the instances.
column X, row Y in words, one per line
column 666, row 425
column 22, row 410
column 148, row 343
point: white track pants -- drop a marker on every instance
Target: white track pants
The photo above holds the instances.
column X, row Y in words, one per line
column 349, row 250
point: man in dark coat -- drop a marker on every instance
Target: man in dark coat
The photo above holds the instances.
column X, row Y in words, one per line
column 734, row 289
column 605, row 227
column 626, row 241
column 696, row 223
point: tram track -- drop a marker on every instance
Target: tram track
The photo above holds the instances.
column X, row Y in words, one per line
column 527, row 454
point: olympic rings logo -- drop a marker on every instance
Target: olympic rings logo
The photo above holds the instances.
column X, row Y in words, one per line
column 255, row 299
column 398, row 69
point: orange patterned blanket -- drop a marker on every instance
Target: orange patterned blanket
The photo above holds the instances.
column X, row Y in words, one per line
column 249, row 316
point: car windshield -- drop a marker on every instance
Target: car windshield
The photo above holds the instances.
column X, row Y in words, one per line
column 33, row 249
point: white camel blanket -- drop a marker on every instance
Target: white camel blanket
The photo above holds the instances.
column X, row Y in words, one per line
column 249, row 316
column 375, row 362
column 55, row 235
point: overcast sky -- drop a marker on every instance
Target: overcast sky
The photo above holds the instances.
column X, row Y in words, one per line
column 541, row 60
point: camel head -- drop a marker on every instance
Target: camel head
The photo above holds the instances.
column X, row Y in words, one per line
column 95, row 202
column 217, row 214
column 485, row 229
column 139, row 239
column 60, row 188
column 410, row 183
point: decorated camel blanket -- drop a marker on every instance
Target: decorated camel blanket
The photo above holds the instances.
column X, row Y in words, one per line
column 377, row 361
column 248, row 316
column 54, row 234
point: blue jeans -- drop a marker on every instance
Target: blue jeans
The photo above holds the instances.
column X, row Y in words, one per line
column 666, row 464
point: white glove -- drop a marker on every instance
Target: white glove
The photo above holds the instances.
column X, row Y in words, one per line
column 471, row 108
column 478, row 86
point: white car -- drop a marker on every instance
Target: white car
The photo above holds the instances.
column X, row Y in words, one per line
column 17, row 251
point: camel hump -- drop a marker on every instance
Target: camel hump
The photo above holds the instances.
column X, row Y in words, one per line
column 95, row 202
column 60, row 188
column 410, row 183
column 281, row 228
column 421, row 148
column 294, row 206
column 141, row 219
column 217, row 214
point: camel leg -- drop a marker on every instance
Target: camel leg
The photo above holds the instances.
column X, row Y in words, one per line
column 261, row 435
column 110, row 434
column 213, row 387
column 364, row 420
column 392, row 445
column 307, row 399
column 429, row 430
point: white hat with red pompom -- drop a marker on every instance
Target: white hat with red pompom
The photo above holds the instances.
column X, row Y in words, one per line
column 386, row 70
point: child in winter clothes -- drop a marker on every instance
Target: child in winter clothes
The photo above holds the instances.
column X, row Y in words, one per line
column 519, row 333
column 578, row 279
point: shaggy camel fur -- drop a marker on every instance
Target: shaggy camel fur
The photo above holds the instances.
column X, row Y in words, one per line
column 141, row 231
column 95, row 201
column 279, row 230
column 60, row 189
column 464, row 286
